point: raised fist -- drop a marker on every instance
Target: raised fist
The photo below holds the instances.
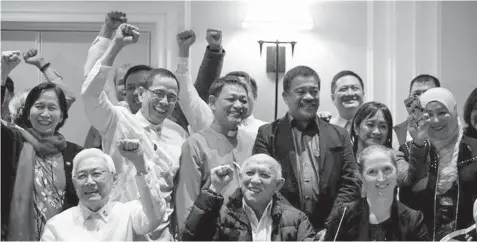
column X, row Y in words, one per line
column 10, row 59
column 214, row 39
column 126, row 34
column 33, row 58
column 185, row 39
column 220, row 177
column 131, row 150
column 115, row 18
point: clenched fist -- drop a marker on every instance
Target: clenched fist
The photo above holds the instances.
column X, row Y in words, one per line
column 214, row 39
column 115, row 18
column 33, row 58
column 326, row 116
column 220, row 177
column 126, row 34
column 132, row 151
column 10, row 60
column 185, row 39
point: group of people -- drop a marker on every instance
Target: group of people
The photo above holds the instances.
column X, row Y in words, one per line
column 169, row 159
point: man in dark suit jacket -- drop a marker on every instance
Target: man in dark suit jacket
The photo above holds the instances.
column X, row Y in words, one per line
column 419, row 85
column 318, row 163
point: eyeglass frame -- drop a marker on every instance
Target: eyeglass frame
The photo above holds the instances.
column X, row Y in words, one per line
column 90, row 173
column 165, row 95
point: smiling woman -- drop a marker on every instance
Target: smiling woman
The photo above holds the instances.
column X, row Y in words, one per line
column 41, row 162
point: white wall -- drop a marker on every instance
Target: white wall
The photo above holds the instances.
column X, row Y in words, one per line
column 459, row 49
column 386, row 42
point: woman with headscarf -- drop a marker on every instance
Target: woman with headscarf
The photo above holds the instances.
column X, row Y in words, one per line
column 36, row 169
column 442, row 173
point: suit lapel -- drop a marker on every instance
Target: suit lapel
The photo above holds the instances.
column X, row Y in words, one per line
column 323, row 136
column 285, row 145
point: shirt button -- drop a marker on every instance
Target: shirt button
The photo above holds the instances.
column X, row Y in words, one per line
column 307, row 180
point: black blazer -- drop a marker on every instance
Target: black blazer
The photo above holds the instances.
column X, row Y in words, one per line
column 339, row 180
column 407, row 224
column 12, row 144
column 401, row 132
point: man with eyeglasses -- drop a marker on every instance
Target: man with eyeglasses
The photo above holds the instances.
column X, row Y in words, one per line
column 162, row 147
column 97, row 217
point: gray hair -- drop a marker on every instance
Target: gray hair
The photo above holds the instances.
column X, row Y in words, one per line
column 16, row 103
column 93, row 153
column 275, row 166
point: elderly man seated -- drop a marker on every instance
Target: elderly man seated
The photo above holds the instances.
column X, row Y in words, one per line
column 255, row 212
column 96, row 218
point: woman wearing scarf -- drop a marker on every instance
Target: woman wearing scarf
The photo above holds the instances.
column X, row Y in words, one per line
column 442, row 172
column 36, row 170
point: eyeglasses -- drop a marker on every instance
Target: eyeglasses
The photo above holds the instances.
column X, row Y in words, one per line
column 97, row 175
column 171, row 98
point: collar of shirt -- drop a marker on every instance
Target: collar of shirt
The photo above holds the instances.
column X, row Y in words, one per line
column 146, row 124
column 246, row 121
column 86, row 214
column 254, row 221
column 312, row 125
column 339, row 121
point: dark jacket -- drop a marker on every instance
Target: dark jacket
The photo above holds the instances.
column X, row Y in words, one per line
column 422, row 164
column 339, row 180
column 401, row 132
column 208, row 220
column 407, row 224
column 209, row 71
column 12, row 144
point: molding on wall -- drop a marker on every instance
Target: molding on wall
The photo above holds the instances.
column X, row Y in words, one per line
column 162, row 25
column 415, row 24
column 392, row 58
column 439, row 39
column 369, row 50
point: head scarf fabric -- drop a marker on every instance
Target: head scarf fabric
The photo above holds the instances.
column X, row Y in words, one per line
column 447, row 148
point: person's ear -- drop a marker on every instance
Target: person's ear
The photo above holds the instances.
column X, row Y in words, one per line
column 280, row 184
column 212, row 101
column 115, row 178
column 141, row 92
column 285, row 96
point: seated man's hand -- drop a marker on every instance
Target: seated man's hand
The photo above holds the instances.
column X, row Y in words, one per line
column 132, row 151
column 214, row 39
column 220, row 177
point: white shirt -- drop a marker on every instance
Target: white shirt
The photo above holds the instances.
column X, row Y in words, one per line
column 251, row 125
column 197, row 111
column 161, row 150
column 261, row 229
column 115, row 221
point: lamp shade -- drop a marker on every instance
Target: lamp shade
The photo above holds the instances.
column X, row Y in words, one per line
column 278, row 14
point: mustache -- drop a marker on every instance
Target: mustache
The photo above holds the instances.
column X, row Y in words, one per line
column 350, row 97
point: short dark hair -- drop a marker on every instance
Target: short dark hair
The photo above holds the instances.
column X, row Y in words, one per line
column 344, row 73
column 134, row 69
column 217, row 86
column 162, row 72
column 368, row 110
column 35, row 93
column 249, row 79
column 471, row 100
column 299, row 71
column 424, row 78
